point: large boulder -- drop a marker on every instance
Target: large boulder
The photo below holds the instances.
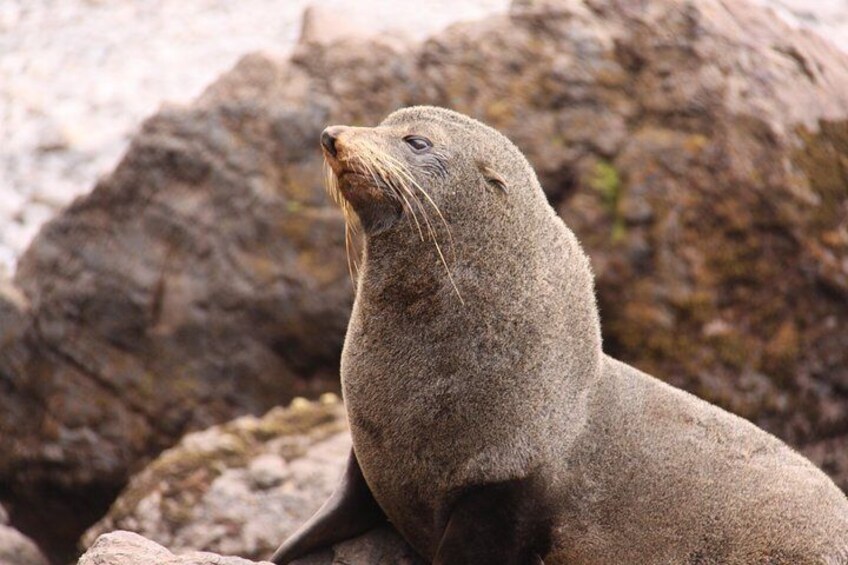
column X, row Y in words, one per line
column 698, row 148
column 241, row 488
column 205, row 278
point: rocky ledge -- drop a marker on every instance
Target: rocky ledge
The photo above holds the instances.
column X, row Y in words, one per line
column 240, row 489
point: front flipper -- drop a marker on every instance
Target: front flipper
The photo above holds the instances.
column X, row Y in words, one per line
column 350, row 511
column 506, row 523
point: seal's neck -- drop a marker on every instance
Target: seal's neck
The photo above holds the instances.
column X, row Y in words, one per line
column 511, row 289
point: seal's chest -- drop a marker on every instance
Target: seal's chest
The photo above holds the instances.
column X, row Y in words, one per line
column 404, row 479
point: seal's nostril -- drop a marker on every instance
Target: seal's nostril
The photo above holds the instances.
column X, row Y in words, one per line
column 328, row 140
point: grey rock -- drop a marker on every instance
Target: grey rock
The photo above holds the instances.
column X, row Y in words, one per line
column 241, row 488
column 127, row 548
column 380, row 547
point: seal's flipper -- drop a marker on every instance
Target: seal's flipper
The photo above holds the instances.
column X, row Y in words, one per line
column 501, row 523
column 350, row 511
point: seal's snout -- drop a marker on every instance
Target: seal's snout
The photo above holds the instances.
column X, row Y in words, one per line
column 329, row 139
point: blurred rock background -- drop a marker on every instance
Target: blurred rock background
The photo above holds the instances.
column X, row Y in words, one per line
column 78, row 76
column 698, row 148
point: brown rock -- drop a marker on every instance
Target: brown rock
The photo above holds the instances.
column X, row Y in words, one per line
column 204, row 278
column 13, row 313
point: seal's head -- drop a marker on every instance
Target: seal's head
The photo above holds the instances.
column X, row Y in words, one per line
column 416, row 163
column 430, row 174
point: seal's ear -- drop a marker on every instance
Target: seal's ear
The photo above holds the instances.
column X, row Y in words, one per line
column 492, row 177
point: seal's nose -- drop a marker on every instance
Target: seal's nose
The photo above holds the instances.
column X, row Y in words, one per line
column 329, row 137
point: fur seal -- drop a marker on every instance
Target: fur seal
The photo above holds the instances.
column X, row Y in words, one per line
column 488, row 425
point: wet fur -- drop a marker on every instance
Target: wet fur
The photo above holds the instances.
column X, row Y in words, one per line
column 510, row 387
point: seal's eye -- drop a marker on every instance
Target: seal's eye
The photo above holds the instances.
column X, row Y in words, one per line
column 419, row 144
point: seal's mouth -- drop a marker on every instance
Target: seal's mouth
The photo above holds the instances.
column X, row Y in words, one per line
column 356, row 187
column 350, row 180
column 356, row 181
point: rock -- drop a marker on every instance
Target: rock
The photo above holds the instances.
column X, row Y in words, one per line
column 13, row 307
column 828, row 18
column 327, row 25
column 698, row 148
column 15, row 548
column 729, row 175
column 204, row 278
column 717, row 222
column 243, row 487
column 127, row 548
column 381, row 546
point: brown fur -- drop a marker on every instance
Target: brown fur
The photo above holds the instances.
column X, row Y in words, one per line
column 479, row 361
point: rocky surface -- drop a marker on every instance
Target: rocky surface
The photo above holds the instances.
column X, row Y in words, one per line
column 243, row 487
column 698, row 148
column 203, row 279
column 381, row 547
column 16, row 548
column 829, row 18
column 127, row 548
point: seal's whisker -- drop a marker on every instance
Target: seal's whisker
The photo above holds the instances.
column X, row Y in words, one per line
column 407, row 195
column 331, row 183
column 409, row 207
column 395, row 174
column 406, row 178
column 381, row 174
column 372, row 156
column 352, row 266
column 404, row 172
